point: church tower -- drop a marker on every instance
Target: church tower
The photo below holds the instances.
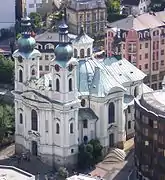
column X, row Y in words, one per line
column 65, row 93
column 26, row 57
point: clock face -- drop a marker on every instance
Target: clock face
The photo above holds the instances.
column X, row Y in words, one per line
column 70, row 68
column 57, row 67
column 20, row 59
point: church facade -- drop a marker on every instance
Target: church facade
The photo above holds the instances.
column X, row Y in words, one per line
column 79, row 100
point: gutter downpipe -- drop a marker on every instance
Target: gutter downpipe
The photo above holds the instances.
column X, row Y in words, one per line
column 150, row 76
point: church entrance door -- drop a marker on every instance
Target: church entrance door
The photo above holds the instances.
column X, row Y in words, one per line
column 111, row 140
column 34, row 148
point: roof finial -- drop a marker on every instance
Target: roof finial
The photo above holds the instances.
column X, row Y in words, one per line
column 82, row 30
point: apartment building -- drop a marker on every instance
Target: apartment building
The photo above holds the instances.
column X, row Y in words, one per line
column 92, row 14
column 7, row 14
column 46, row 44
column 142, row 42
column 40, row 6
column 149, row 136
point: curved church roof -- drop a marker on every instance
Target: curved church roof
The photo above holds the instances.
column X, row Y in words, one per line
column 99, row 78
column 82, row 38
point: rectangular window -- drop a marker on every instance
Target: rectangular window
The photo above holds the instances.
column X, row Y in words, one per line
column 140, row 46
column 155, row 137
column 46, row 57
column 46, row 68
column 146, row 66
column 85, row 123
column 146, row 55
column 155, row 124
column 146, row 143
column 40, row 68
column 146, row 45
column 41, row 58
column 162, row 62
column 129, row 124
column 140, row 57
column 31, row 5
column 140, row 67
column 162, row 41
column 162, row 52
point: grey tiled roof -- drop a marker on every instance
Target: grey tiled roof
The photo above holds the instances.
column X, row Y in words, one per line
column 130, row 2
column 99, row 78
column 141, row 22
column 51, row 37
column 86, row 114
column 87, row 4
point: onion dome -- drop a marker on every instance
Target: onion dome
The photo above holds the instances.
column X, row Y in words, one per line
column 26, row 43
column 64, row 50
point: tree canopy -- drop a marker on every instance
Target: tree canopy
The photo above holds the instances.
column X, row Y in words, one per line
column 6, row 120
column 36, row 20
column 6, row 70
column 113, row 10
column 89, row 154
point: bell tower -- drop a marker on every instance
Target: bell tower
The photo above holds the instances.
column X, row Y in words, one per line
column 26, row 57
column 65, row 93
column 64, row 68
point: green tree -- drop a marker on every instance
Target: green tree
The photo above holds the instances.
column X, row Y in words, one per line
column 113, row 6
column 6, row 70
column 89, row 154
column 6, row 120
column 36, row 20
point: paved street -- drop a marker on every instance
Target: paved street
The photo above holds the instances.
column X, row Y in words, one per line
column 119, row 171
column 34, row 166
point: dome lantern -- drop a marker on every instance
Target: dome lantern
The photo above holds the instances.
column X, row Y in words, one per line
column 26, row 43
column 63, row 50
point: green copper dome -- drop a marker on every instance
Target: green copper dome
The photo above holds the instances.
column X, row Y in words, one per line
column 63, row 52
column 26, row 44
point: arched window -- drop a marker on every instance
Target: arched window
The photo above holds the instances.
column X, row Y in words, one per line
column 57, row 128
column 75, row 53
column 33, row 72
column 136, row 91
column 111, row 113
column 82, row 53
column 57, row 85
column 88, row 52
column 71, row 128
column 70, row 84
column 20, row 76
column 20, row 118
column 47, row 46
column 34, row 120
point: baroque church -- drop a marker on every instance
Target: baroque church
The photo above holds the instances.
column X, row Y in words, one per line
column 82, row 98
